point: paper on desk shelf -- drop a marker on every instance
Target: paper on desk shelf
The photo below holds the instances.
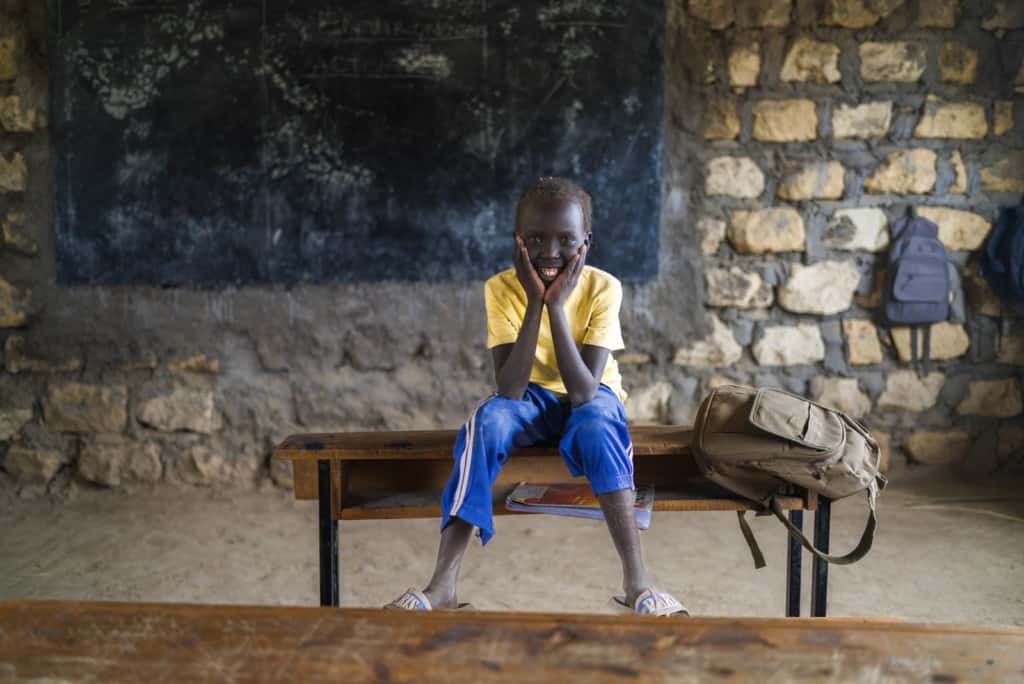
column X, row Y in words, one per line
column 573, row 499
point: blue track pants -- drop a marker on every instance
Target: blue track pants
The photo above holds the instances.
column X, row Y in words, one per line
column 592, row 439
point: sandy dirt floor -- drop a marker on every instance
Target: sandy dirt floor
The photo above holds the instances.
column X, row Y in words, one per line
column 946, row 551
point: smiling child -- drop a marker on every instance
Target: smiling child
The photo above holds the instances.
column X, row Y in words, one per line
column 552, row 323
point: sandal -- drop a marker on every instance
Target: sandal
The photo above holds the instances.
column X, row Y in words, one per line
column 417, row 600
column 653, row 602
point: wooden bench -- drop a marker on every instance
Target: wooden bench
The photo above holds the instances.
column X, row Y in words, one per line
column 56, row 641
column 374, row 475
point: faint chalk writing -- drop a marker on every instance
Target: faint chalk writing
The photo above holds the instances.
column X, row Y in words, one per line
column 377, row 28
column 419, row 60
column 128, row 78
column 413, row 63
column 582, row 12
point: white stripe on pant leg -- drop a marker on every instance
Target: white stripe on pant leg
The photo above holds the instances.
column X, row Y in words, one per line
column 465, row 459
column 464, row 463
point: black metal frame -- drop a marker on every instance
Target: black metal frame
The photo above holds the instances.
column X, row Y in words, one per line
column 330, row 581
column 819, row 568
column 330, row 574
column 794, row 557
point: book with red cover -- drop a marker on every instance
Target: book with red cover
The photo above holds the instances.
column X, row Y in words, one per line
column 573, row 499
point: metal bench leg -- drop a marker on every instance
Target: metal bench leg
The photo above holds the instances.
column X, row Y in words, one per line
column 329, row 592
column 793, row 559
column 819, row 571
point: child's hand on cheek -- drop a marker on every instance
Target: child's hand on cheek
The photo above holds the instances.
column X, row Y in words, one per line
column 560, row 288
column 526, row 274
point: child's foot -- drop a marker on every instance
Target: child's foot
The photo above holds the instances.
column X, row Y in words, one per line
column 633, row 594
column 653, row 602
column 441, row 599
column 412, row 599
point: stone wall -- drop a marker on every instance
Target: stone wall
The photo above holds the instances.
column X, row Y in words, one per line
column 824, row 123
column 795, row 132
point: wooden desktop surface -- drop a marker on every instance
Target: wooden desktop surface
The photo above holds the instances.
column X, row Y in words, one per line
column 57, row 641
column 648, row 440
column 401, row 474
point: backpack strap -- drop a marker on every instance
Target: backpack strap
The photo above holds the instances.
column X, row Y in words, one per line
column 748, row 536
column 859, row 551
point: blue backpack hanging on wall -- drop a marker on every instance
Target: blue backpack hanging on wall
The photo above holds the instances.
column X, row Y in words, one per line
column 1002, row 257
column 917, row 282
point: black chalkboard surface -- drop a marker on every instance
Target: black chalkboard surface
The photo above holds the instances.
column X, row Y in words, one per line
column 205, row 142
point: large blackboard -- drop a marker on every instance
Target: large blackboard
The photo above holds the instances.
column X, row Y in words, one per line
column 204, row 142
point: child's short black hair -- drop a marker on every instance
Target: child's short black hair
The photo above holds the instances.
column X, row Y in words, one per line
column 555, row 187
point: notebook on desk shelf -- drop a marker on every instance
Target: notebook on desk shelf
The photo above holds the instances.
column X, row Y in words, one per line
column 573, row 499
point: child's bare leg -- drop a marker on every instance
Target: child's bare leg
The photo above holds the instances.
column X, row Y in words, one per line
column 454, row 540
column 621, row 518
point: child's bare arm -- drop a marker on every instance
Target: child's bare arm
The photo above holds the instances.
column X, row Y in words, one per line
column 581, row 370
column 513, row 362
column 581, row 373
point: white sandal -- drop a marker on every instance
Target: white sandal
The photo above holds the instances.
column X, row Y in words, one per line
column 417, row 600
column 653, row 602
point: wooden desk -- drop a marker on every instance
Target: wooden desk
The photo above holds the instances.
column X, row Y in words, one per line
column 375, row 475
column 151, row 643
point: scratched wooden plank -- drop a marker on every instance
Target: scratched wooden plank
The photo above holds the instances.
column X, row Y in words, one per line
column 304, row 479
column 118, row 642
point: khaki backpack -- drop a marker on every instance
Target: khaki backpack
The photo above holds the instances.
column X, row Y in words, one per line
column 757, row 442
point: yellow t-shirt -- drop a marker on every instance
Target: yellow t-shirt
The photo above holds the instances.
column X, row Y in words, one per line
column 592, row 310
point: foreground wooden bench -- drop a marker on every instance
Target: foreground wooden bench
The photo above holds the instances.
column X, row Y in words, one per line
column 55, row 641
column 374, row 475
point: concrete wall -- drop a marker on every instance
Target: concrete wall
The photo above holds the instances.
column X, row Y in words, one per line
column 780, row 115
